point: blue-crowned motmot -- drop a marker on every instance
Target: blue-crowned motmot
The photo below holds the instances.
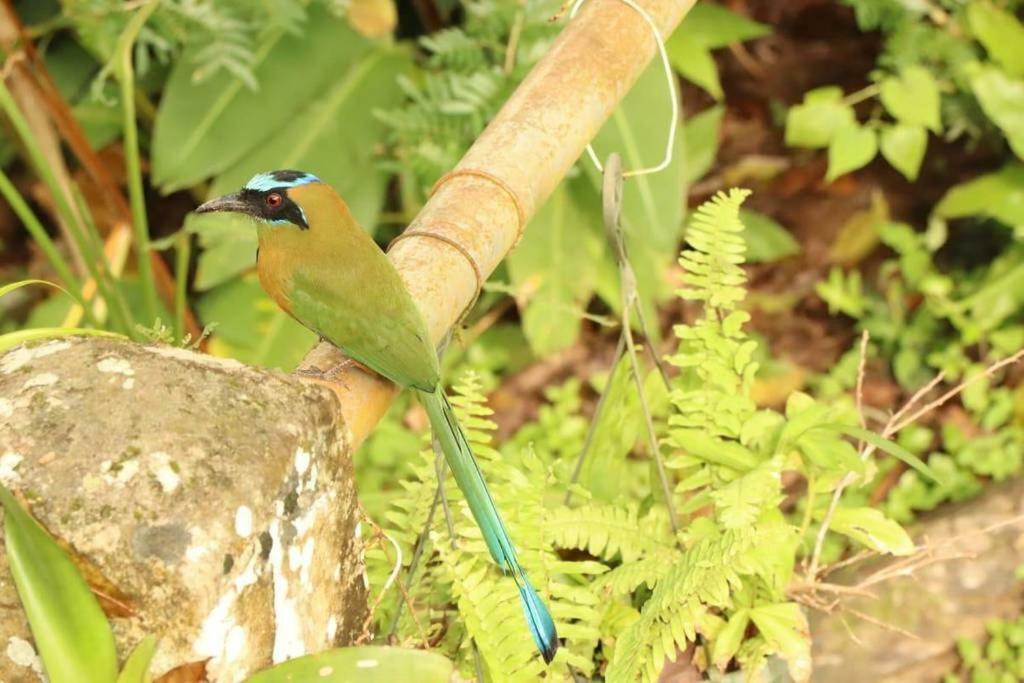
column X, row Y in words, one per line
column 321, row 267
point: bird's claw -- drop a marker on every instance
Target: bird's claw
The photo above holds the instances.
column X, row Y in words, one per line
column 331, row 375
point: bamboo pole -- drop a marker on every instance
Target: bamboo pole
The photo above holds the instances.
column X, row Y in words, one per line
column 508, row 173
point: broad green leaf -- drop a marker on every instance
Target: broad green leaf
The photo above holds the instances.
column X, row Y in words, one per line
column 998, row 297
column 766, row 239
column 913, row 98
column 784, row 627
column 70, row 630
column 728, row 640
column 228, row 242
column 694, row 62
column 136, row 669
column 705, row 28
column 815, row 122
column 999, row 195
column 1002, row 99
column 320, row 140
column 870, row 527
column 698, row 444
column 251, row 328
column 204, row 128
column 335, row 135
column 11, row 339
column 851, row 148
column 903, row 146
column 885, row 445
column 714, row 26
column 739, row 503
column 369, row 664
column 652, row 208
column 1000, row 32
column 700, row 140
column 614, row 436
column 554, row 267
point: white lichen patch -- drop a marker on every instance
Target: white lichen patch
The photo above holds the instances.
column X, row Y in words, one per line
column 332, row 628
column 116, row 365
column 235, row 645
column 196, row 553
column 325, row 671
column 21, row 652
column 198, row 358
column 160, row 467
column 43, row 379
column 367, row 663
column 9, row 462
column 221, row 638
column 23, row 355
column 128, row 383
column 243, row 521
column 302, row 460
column 288, row 624
column 6, row 407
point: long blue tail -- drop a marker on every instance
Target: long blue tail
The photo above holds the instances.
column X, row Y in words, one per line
column 471, row 482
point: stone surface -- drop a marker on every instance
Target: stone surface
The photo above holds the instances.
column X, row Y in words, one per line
column 218, row 497
column 938, row 603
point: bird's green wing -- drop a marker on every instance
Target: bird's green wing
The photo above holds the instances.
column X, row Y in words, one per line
column 365, row 310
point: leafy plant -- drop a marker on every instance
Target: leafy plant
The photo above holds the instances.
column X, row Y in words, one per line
column 719, row 586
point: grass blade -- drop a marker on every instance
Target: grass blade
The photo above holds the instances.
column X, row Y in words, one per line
column 136, row 669
column 70, row 630
column 11, row 339
column 891, row 447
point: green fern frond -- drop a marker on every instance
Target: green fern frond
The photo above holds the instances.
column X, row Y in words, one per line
column 712, row 271
column 610, row 531
column 679, row 606
column 712, row 393
column 627, row 577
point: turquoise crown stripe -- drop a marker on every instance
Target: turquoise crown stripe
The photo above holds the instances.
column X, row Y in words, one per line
column 261, row 182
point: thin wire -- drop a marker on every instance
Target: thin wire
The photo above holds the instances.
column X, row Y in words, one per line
column 398, row 562
column 670, row 79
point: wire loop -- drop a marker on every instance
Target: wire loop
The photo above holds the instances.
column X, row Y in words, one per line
column 670, row 79
column 454, row 244
column 476, row 173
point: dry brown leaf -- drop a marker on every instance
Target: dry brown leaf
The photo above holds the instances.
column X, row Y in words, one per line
column 373, row 18
column 114, row 602
column 193, row 672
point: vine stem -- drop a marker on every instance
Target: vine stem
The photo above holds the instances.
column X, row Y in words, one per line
column 126, row 78
column 611, row 194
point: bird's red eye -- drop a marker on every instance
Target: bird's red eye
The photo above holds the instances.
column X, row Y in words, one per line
column 274, row 200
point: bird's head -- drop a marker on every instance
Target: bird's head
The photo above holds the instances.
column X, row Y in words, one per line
column 274, row 198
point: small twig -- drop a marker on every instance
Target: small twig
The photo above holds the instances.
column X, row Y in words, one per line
column 595, row 420
column 861, row 367
column 829, row 588
column 379, row 536
column 917, row 396
column 894, row 425
column 988, row 372
column 881, row 624
column 439, row 468
column 513, row 39
column 417, row 553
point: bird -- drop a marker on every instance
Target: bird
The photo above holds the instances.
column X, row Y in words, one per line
column 324, row 270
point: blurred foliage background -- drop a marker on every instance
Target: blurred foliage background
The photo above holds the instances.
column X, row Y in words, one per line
column 883, row 141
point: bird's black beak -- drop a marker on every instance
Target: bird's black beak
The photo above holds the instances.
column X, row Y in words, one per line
column 233, row 202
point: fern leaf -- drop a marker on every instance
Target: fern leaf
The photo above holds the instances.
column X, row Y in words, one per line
column 609, row 531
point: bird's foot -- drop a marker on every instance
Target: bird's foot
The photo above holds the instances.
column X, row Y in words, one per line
column 331, row 375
